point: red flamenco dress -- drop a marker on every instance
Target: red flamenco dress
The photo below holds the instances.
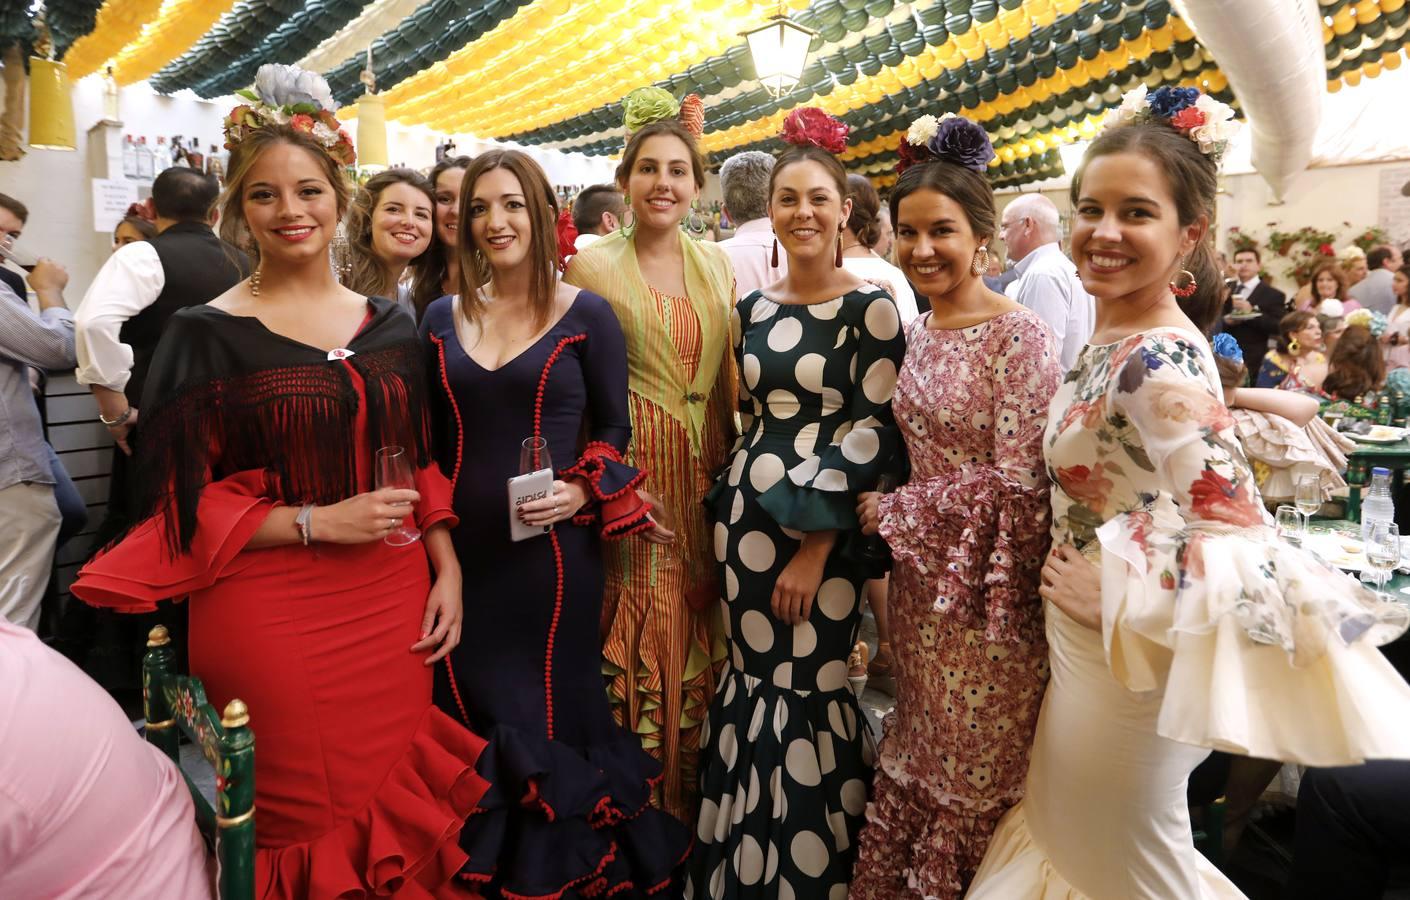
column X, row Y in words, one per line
column 362, row 785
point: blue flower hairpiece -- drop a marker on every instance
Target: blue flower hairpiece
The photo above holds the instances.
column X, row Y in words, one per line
column 1228, row 348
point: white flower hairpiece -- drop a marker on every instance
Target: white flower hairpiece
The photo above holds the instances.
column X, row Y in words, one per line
column 1198, row 116
column 288, row 95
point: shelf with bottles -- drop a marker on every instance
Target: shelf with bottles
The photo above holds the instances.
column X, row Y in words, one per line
column 142, row 162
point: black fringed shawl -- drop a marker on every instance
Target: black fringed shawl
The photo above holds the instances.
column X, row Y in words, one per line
column 225, row 394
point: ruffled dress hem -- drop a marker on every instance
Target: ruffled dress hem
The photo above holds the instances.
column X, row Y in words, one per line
column 403, row 841
column 564, row 822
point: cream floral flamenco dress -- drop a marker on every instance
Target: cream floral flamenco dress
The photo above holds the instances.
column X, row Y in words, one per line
column 1214, row 635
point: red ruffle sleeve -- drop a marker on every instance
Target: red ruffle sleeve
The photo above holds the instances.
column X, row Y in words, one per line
column 133, row 574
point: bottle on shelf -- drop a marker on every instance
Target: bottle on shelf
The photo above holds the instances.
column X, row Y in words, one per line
column 178, row 152
column 1377, row 505
column 129, row 157
column 194, row 157
column 146, row 163
column 161, row 159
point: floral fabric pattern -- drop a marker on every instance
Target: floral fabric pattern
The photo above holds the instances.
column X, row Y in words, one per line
column 969, row 534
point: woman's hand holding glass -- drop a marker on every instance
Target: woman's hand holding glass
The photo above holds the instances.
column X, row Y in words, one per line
column 560, row 505
column 363, row 518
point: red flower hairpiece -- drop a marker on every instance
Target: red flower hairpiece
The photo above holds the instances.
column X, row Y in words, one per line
column 810, row 125
column 145, row 210
column 567, row 235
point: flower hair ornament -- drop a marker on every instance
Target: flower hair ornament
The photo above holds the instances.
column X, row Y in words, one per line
column 288, row 95
column 949, row 138
column 1370, row 319
column 1199, row 117
column 810, row 126
column 1227, row 348
column 146, row 211
column 646, row 105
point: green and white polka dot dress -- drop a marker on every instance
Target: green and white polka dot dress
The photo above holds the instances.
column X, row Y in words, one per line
column 786, row 763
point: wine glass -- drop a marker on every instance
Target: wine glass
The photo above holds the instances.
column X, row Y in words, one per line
column 533, row 456
column 1308, row 498
column 394, row 470
column 1289, row 521
column 1383, row 551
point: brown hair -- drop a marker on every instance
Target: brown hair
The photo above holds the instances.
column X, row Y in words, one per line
column 430, row 268
column 246, row 153
column 664, row 126
column 866, row 207
column 1193, row 180
column 369, row 274
column 20, row 211
column 1290, row 324
column 1231, row 374
column 543, row 247
column 796, row 153
column 1357, row 364
column 144, row 227
column 966, row 187
column 1336, row 272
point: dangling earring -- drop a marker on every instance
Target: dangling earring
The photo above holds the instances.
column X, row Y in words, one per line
column 980, row 265
column 1294, row 348
column 1188, row 288
column 341, row 253
column 695, row 224
column 773, row 262
column 839, row 248
column 254, row 283
column 626, row 227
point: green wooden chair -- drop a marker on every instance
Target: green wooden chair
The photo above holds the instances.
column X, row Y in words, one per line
column 173, row 702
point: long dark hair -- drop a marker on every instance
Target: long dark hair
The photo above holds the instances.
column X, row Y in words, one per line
column 1357, row 366
column 431, row 268
column 542, row 205
column 672, row 127
column 1193, row 179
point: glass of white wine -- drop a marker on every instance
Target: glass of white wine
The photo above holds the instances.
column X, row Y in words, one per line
column 1383, row 551
column 1308, row 499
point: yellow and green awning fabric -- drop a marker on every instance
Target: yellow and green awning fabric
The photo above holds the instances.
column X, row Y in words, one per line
column 1035, row 73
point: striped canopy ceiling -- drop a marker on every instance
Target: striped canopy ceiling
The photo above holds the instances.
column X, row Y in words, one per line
column 1036, row 73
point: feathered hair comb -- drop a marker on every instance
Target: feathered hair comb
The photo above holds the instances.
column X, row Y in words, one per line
column 288, row 95
column 950, row 138
column 652, row 104
column 808, row 125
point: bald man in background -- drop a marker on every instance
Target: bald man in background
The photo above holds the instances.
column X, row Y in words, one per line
column 1047, row 280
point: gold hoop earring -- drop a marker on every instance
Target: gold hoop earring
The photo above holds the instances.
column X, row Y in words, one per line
column 1294, row 348
column 981, row 261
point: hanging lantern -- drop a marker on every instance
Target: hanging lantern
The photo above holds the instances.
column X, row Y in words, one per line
column 780, row 51
column 371, row 122
column 50, row 97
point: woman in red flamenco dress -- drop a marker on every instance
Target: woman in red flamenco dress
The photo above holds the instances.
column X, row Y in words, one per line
column 264, row 410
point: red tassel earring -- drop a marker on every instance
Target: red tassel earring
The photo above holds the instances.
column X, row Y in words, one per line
column 839, row 249
column 774, row 262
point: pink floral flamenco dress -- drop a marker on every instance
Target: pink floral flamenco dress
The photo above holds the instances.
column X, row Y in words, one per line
column 1214, row 634
column 968, row 533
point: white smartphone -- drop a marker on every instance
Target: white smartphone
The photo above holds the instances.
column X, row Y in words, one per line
column 525, row 489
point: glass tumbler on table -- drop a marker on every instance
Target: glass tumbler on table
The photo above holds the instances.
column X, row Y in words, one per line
column 1289, row 521
column 394, row 470
column 1383, row 551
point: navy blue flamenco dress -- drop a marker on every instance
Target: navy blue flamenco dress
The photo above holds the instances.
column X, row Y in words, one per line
column 568, row 812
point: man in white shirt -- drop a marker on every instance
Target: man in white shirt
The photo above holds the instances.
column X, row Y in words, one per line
column 744, row 182
column 597, row 212
column 1046, row 280
column 1375, row 290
